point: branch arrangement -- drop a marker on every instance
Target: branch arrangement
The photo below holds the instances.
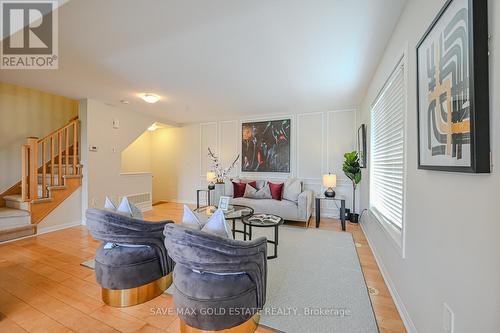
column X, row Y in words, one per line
column 220, row 172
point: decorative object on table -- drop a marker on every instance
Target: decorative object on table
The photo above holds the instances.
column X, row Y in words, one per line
column 330, row 182
column 211, row 178
column 262, row 218
column 224, row 203
column 362, row 146
column 265, row 146
column 453, row 91
column 263, row 221
column 352, row 170
column 221, row 174
column 342, row 213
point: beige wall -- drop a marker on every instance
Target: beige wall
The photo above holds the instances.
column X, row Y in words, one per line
column 27, row 112
column 137, row 156
column 176, row 163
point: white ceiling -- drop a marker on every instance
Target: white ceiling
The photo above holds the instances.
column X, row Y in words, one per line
column 219, row 58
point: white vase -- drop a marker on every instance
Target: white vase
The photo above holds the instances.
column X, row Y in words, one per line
column 217, row 193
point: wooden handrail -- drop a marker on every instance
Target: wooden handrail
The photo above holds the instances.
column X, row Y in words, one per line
column 57, row 146
column 71, row 123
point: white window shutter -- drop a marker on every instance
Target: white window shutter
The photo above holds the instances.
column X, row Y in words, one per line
column 387, row 150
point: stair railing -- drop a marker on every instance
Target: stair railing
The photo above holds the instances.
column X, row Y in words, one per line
column 51, row 158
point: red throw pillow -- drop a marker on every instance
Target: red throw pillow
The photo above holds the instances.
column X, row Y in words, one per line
column 276, row 190
column 239, row 188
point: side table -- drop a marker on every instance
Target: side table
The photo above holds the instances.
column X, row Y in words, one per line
column 342, row 209
column 198, row 196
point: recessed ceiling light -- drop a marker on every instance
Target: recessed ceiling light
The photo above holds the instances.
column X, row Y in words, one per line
column 153, row 127
column 124, row 101
column 150, row 98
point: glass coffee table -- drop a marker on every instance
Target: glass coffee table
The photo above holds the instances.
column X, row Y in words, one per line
column 234, row 213
column 274, row 222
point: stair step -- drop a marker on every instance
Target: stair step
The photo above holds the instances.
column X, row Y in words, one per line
column 15, row 202
column 17, row 232
column 13, row 218
column 63, row 166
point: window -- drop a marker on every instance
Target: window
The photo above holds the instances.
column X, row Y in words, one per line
column 388, row 153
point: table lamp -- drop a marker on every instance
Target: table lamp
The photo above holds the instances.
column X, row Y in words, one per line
column 330, row 182
column 211, row 177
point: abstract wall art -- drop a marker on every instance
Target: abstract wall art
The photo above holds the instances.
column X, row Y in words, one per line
column 265, row 146
column 452, row 86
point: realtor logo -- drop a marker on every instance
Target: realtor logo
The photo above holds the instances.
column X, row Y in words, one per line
column 29, row 34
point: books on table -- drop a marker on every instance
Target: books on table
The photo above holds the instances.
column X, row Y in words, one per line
column 261, row 218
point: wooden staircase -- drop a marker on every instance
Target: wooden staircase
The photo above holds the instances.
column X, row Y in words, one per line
column 51, row 172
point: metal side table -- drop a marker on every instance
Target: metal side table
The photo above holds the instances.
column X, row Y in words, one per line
column 342, row 209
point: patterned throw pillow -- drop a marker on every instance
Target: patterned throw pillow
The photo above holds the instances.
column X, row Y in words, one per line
column 252, row 193
column 217, row 225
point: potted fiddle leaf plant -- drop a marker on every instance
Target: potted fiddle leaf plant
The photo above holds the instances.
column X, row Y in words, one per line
column 352, row 170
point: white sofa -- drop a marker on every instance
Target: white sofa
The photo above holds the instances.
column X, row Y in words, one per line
column 299, row 210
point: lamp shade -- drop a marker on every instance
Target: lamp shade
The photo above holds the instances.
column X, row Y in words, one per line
column 330, row 180
column 211, row 176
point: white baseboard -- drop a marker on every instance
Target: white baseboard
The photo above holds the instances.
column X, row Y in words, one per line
column 405, row 316
column 42, row 230
column 182, row 201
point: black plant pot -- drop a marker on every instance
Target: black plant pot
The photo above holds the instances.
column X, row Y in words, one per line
column 354, row 218
column 347, row 214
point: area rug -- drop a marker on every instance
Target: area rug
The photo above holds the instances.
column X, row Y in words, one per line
column 316, row 283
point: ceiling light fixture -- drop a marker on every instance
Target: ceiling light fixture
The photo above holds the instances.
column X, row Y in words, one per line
column 153, row 127
column 150, row 98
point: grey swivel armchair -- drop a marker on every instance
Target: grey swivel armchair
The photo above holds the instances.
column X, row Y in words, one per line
column 131, row 265
column 219, row 283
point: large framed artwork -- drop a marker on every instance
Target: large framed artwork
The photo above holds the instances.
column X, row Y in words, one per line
column 265, row 146
column 452, row 89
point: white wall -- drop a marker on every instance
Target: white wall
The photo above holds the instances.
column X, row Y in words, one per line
column 318, row 142
column 102, row 168
column 452, row 219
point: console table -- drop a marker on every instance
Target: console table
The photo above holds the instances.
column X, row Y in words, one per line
column 342, row 209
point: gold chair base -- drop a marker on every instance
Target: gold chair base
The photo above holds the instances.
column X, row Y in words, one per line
column 248, row 326
column 121, row 298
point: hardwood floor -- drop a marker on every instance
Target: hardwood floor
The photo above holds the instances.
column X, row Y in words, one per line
column 43, row 287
